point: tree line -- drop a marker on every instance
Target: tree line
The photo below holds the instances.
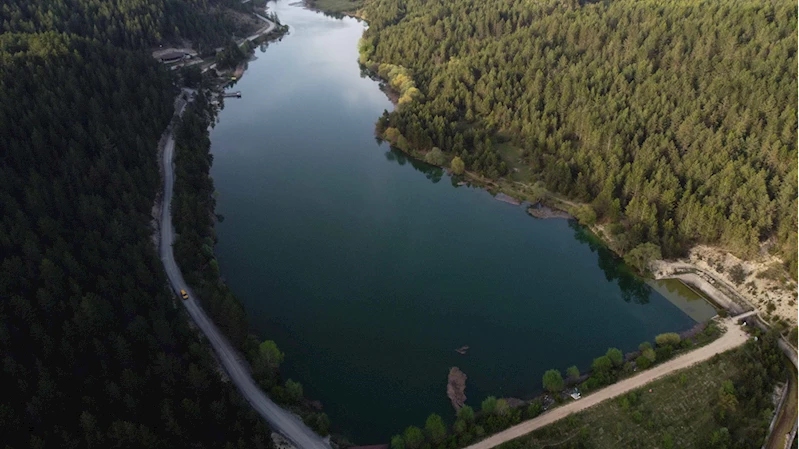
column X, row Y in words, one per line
column 95, row 350
column 741, row 411
column 126, row 23
column 193, row 212
column 674, row 120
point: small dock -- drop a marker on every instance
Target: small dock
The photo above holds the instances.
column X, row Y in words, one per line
column 236, row 94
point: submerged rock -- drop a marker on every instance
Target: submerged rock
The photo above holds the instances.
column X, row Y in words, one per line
column 456, row 387
column 542, row 211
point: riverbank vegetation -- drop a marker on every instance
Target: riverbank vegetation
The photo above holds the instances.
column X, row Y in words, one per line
column 94, row 346
column 496, row 415
column 671, row 134
column 193, row 214
column 133, row 24
column 95, row 350
column 726, row 402
column 337, row 8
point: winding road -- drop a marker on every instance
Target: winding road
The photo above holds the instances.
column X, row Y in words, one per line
column 281, row 421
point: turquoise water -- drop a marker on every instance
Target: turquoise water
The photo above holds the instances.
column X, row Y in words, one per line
column 369, row 270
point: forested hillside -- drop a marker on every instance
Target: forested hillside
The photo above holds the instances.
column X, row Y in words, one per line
column 95, row 351
column 92, row 343
column 675, row 120
column 125, row 23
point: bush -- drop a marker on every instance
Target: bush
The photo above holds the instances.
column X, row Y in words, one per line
column 435, row 428
column 435, row 157
column 457, row 165
column 642, row 362
column 413, row 437
column 573, row 372
column 737, row 274
column 585, row 214
column 644, row 346
column 397, row 442
column 459, row 427
column 466, row 413
column 669, row 338
column 642, row 255
column 502, row 407
column 615, row 356
column 553, row 381
column 534, row 409
column 602, row 364
column 663, row 352
column 293, row 392
column 489, row 405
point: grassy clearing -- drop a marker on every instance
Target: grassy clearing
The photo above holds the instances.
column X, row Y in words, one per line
column 678, row 413
column 336, row 6
column 518, row 171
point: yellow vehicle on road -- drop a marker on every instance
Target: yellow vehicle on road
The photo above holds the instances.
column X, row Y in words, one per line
column 184, row 295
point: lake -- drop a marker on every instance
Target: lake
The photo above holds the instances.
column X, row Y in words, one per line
column 369, row 269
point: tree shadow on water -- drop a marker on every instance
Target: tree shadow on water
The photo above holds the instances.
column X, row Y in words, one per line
column 633, row 288
column 431, row 172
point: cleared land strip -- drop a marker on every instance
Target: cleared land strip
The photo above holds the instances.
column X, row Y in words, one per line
column 734, row 337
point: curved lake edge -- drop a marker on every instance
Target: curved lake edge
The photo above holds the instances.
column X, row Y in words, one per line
column 487, row 188
column 549, row 205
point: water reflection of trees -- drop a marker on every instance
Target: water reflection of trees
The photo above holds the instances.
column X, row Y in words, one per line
column 430, row 172
column 633, row 288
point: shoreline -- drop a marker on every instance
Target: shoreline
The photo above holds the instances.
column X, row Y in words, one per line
column 543, row 204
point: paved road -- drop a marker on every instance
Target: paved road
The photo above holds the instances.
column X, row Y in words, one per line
column 733, row 338
column 281, row 421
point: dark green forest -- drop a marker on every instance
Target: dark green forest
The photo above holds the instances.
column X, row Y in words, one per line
column 674, row 120
column 125, row 23
column 95, row 350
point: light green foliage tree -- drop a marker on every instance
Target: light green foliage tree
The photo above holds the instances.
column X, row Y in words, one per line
column 616, row 357
column 392, row 135
column 649, row 354
column 489, row 405
column 413, row 437
column 457, row 165
column 642, row 255
column 397, row 442
column 459, row 426
column 466, row 413
column 584, row 214
column 668, row 339
column 553, row 381
column 435, row 157
column 293, row 391
column 573, row 373
column 602, row 364
column 269, row 357
column 502, row 407
column 435, row 429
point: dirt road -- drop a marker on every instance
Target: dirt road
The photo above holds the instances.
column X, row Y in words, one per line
column 733, row 338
